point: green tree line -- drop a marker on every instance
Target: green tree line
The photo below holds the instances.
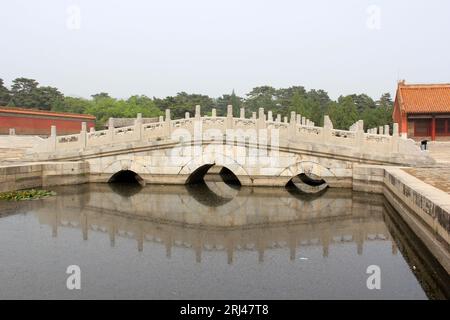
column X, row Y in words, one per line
column 313, row 104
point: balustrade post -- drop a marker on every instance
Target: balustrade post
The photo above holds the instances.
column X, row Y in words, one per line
column 292, row 118
column 395, row 140
column 167, row 123
column 197, row 112
column 242, row 115
column 292, row 126
column 327, row 127
column 395, row 130
column 111, row 129
column 261, row 122
column 229, row 121
column 82, row 136
column 52, row 139
column 138, row 127
column 359, row 126
column 230, row 111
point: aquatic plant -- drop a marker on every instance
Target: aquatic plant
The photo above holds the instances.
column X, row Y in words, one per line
column 30, row 194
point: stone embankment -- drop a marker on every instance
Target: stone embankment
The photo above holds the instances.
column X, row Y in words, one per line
column 424, row 206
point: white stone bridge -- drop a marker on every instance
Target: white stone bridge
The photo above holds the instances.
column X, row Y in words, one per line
column 259, row 151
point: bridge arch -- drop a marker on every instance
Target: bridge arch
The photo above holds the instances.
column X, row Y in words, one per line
column 308, row 176
column 198, row 167
column 125, row 164
column 126, row 176
column 125, row 170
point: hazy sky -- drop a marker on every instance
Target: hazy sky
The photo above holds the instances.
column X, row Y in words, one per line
column 161, row 48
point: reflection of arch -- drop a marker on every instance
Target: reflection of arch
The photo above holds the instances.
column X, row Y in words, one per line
column 307, row 183
column 205, row 196
column 309, row 168
column 206, row 161
column 313, row 203
column 125, row 190
column 227, row 176
column 298, row 194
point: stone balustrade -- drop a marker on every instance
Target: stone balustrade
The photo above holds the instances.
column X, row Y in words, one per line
column 289, row 132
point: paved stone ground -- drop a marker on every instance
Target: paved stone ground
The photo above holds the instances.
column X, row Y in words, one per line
column 440, row 151
column 437, row 177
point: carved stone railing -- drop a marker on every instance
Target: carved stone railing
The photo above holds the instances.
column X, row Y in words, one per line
column 291, row 132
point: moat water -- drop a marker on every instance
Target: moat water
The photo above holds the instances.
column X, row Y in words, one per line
column 210, row 241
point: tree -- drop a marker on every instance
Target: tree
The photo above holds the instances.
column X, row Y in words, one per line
column 363, row 102
column 48, row 98
column 184, row 102
column 381, row 114
column 222, row 102
column 73, row 105
column 300, row 105
column 313, row 104
column 343, row 113
column 141, row 104
column 104, row 107
column 385, row 107
column 261, row 97
column 5, row 96
column 23, row 91
column 26, row 93
column 100, row 95
column 289, row 99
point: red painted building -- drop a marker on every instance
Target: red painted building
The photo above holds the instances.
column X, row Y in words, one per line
column 38, row 122
column 423, row 111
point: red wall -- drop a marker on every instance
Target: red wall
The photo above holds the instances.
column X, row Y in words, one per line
column 41, row 125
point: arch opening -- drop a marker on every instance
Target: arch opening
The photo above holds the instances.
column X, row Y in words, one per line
column 307, row 183
column 127, row 177
column 213, row 185
column 213, row 173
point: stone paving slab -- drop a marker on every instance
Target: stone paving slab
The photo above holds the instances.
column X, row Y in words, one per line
column 437, row 177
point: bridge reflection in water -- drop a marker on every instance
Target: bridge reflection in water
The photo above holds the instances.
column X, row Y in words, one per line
column 228, row 229
column 215, row 216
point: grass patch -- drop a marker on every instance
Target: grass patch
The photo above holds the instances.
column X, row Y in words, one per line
column 30, row 194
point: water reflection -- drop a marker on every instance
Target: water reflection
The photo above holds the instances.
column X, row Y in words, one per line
column 197, row 218
column 215, row 218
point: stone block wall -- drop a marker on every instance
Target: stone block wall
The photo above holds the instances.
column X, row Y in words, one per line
column 37, row 175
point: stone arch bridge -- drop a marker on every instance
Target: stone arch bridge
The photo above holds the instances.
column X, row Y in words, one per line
column 260, row 151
